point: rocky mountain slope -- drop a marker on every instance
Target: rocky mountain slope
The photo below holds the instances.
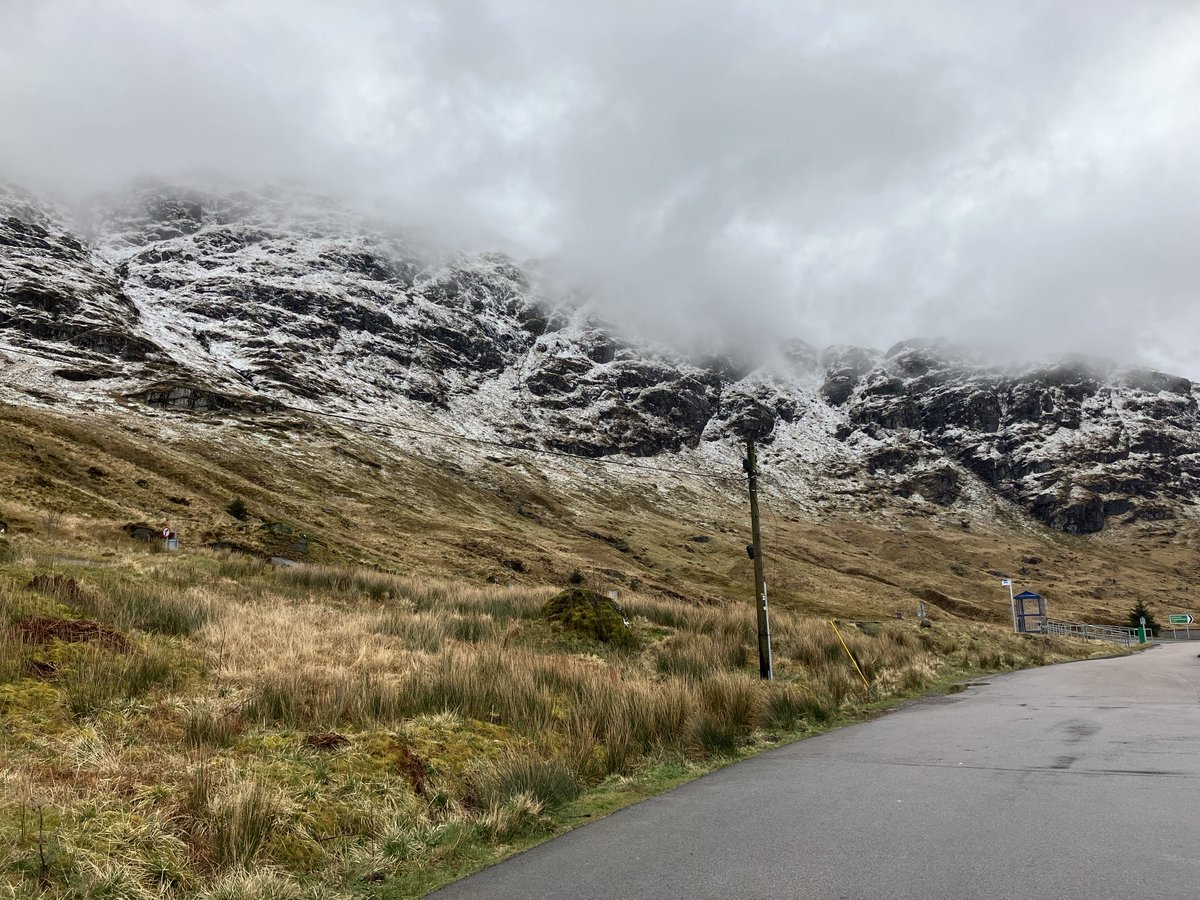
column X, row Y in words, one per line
column 192, row 306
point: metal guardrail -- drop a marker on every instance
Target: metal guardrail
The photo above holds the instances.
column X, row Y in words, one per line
column 1174, row 634
column 1115, row 633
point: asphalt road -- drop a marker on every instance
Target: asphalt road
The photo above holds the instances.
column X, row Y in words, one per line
column 1074, row 781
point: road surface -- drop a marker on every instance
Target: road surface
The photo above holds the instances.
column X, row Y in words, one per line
column 1073, row 781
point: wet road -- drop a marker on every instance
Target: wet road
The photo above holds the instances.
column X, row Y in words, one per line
column 1073, row 781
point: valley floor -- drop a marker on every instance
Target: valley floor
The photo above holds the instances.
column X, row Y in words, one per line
column 208, row 724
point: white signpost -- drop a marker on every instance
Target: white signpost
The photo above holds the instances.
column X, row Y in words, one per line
column 1012, row 604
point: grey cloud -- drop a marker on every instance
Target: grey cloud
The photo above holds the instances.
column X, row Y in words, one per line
column 1020, row 175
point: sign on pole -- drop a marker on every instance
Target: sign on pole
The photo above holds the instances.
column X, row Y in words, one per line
column 1180, row 619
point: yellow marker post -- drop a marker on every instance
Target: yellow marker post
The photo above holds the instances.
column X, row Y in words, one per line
column 851, row 655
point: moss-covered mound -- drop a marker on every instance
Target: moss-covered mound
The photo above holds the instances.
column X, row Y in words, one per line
column 589, row 615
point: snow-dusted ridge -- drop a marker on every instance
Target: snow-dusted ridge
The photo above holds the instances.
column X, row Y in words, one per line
column 205, row 302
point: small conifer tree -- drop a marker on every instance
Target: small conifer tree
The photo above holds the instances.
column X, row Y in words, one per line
column 1140, row 612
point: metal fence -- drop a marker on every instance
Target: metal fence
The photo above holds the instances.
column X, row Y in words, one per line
column 1114, row 633
column 1180, row 633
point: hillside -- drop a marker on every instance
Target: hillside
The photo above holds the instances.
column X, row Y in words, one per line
column 318, row 491
column 170, row 350
column 361, row 675
column 224, row 302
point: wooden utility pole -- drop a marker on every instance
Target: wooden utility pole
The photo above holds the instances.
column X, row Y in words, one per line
column 750, row 464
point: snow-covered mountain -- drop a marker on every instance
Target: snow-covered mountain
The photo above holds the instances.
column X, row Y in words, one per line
column 226, row 303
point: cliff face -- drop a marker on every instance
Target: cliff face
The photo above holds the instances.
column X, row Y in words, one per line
column 1072, row 445
column 221, row 303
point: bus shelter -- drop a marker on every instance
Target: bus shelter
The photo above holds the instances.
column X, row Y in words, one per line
column 1030, row 611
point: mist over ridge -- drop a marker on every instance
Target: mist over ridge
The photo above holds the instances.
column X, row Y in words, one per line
column 1018, row 179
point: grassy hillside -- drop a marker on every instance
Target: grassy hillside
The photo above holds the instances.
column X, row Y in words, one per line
column 318, row 492
column 207, row 724
column 390, row 703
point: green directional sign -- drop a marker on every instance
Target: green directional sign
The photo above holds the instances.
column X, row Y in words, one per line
column 1179, row 619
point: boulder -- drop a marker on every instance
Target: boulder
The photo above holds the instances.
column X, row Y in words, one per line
column 140, row 531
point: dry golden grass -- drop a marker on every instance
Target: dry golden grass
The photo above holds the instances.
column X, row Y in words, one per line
column 366, row 503
column 305, row 731
column 447, row 718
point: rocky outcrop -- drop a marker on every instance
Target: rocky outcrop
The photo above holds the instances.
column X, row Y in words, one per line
column 599, row 399
column 1075, row 443
column 53, row 289
column 196, row 398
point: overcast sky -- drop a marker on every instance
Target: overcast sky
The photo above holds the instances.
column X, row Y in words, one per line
column 1025, row 174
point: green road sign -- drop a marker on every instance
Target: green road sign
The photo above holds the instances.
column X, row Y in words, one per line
column 1179, row 619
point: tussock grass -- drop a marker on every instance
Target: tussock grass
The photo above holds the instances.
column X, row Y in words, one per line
column 206, row 726
column 240, row 822
column 452, row 718
column 160, row 608
column 549, row 782
column 259, row 885
column 519, row 814
column 92, row 677
column 17, row 655
column 170, row 605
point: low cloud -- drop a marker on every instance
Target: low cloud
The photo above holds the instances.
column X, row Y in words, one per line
column 1019, row 175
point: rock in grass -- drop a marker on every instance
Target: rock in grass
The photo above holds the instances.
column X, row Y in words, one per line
column 142, row 531
column 590, row 615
